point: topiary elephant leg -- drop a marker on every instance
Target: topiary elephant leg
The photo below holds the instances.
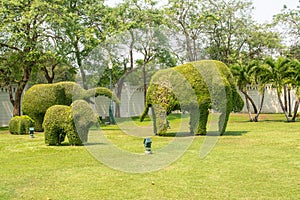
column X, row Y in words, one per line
column 198, row 121
column 54, row 136
column 223, row 119
column 38, row 121
column 160, row 120
column 154, row 120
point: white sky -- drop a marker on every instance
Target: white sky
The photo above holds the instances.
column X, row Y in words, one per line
column 264, row 9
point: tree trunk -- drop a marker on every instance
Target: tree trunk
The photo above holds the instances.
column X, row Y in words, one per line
column 261, row 105
column 295, row 110
column 289, row 102
column 285, row 97
column 79, row 63
column 20, row 89
column 83, row 77
column 145, row 84
column 282, row 107
column 18, row 97
column 251, row 101
column 119, row 95
column 248, row 108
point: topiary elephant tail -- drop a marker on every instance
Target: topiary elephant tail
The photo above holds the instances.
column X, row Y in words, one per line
column 101, row 91
column 144, row 114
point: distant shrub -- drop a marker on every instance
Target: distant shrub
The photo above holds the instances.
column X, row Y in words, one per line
column 72, row 121
column 20, row 125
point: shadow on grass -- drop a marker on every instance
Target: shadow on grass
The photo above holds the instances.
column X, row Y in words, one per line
column 187, row 134
column 177, row 134
column 94, row 143
column 278, row 120
column 234, row 133
column 66, row 144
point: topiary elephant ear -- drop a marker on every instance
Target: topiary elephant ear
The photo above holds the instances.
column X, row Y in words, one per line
column 40, row 97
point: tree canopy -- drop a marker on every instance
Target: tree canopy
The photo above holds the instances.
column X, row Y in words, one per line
column 48, row 41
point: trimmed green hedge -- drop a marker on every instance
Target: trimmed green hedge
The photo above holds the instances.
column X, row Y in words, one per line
column 20, row 125
column 194, row 87
column 72, row 121
column 40, row 97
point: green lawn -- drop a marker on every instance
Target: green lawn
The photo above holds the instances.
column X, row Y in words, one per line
column 251, row 161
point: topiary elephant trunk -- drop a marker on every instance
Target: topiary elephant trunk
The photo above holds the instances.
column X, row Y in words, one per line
column 194, row 87
column 40, row 97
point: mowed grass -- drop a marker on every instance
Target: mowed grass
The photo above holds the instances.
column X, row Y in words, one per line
column 251, row 161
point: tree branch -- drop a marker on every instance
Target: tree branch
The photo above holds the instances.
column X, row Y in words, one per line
column 10, row 47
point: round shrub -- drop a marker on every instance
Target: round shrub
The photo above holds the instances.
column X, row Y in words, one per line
column 20, row 125
column 72, row 121
column 40, row 97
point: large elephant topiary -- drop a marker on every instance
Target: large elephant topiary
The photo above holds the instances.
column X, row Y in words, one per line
column 194, row 87
column 72, row 121
column 40, row 97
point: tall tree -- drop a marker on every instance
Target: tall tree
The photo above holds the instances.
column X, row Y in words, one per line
column 187, row 23
column 25, row 26
column 228, row 29
column 138, row 41
column 289, row 20
column 83, row 26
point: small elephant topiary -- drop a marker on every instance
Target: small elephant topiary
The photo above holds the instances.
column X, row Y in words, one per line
column 194, row 87
column 40, row 97
column 72, row 121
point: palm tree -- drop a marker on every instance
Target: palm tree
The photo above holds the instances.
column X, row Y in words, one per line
column 257, row 72
column 295, row 83
column 278, row 74
column 242, row 74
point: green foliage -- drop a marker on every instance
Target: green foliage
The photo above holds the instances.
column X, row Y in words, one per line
column 20, row 125
column 57, row 123
column 194, row 87
column 40, row 97
column 72, row 121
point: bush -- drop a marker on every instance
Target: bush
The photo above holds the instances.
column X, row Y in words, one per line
column 72, row 121
column 40, row 97
column 20, row 125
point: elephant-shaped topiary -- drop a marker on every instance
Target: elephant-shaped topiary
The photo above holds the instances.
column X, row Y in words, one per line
column 73, row 121
column 40, row 97
column 194, row 87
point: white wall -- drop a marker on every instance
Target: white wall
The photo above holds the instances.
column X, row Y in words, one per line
column 6, row 108
column 132, row 103
column 271, row 104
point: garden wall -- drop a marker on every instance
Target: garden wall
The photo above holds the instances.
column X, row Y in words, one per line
column 132, row 102
column 271, row 104
column 6, row 108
